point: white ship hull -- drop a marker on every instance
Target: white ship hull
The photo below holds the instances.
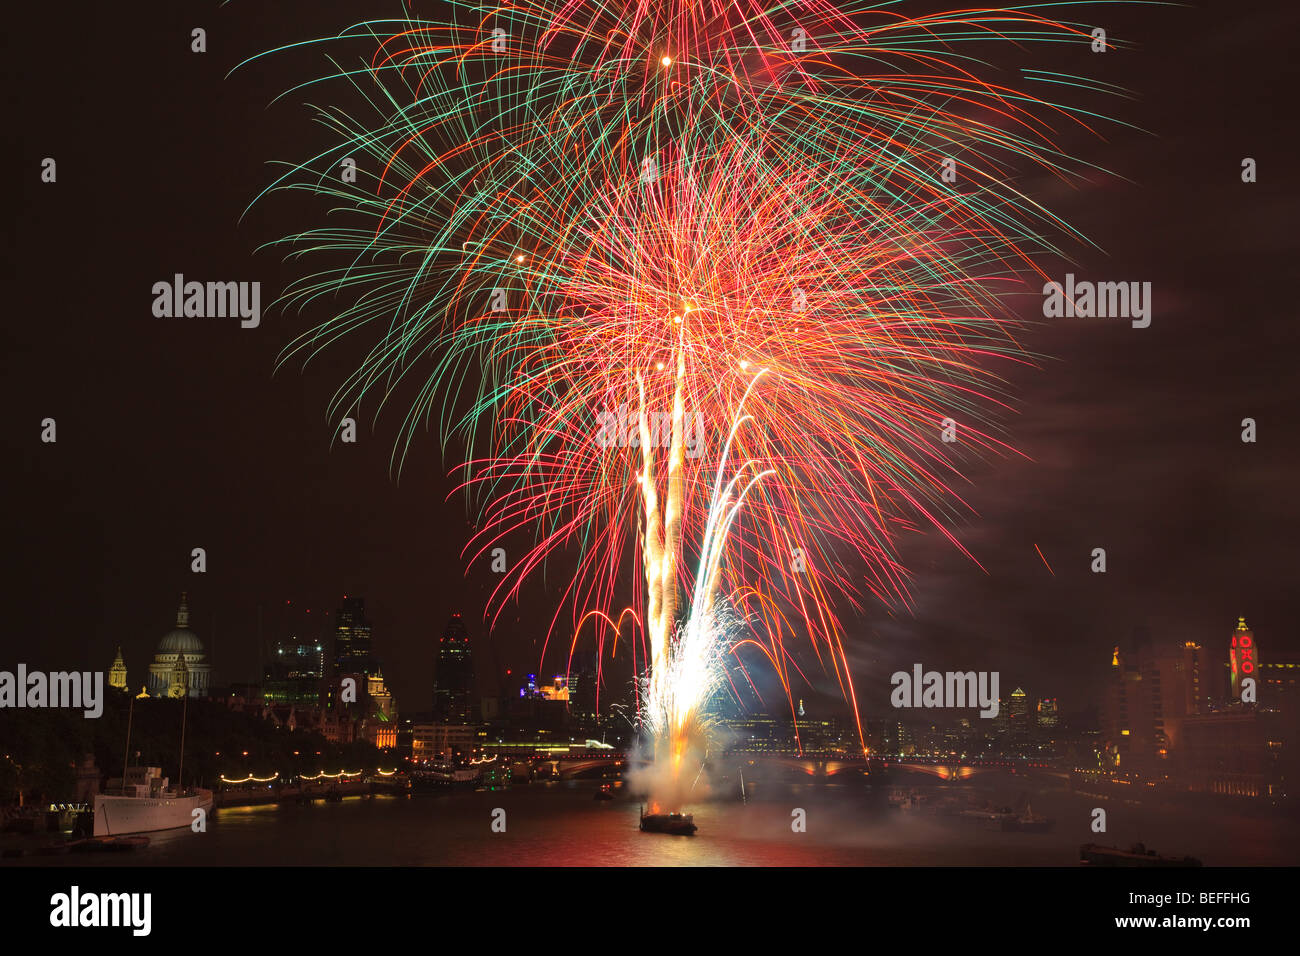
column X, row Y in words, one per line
column 115, row 816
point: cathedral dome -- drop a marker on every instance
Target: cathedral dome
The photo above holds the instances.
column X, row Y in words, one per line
column 180, row 639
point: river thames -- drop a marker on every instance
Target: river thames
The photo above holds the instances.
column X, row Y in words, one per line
column 560, row 823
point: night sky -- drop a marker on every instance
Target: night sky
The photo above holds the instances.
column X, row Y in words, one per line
column 178, row 433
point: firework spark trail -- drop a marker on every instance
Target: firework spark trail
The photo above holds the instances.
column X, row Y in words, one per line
column 845, row 390
column 666, row 208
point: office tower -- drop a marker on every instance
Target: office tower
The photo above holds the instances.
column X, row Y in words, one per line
column 454, row 697
column 352, row 641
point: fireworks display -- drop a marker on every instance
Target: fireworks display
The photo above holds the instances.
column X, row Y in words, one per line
column 697, row 287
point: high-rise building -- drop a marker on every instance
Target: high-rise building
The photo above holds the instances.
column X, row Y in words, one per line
column 454, row 695
column 1197, row 680
column 1048, row 714
column 583, row 697
column 1019, row 724
column 294, row 673
column 1019, row 708
column 1152, row 690
column 352, row 642
column 1002, row 720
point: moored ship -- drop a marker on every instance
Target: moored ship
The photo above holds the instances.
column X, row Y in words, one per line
column 437, row 774
column 144, row 803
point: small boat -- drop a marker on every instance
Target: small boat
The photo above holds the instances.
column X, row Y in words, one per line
column 679, row 824
column 1030, row 822
column 1092, row 854
column 606, row 792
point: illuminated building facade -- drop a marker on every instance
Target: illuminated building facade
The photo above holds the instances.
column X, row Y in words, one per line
column 382, row 703
column 1170, row 711
column 1199, row 682
column 557, row 689
column 1243, row 656
column 295, row 673
column 1279, row 686
column 1020, row 725
column 1228, row 753
column 436, row 740
column 352, row 639
column 380, row 724
column 761, row 733
column 1047, row 714
column 117, row 673
column 1019, row 709
column 1147, row 697
column 180, row 660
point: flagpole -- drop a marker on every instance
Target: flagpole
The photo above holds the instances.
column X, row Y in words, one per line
column 126, row 757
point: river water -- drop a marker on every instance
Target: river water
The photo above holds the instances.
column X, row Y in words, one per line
column 559, row 823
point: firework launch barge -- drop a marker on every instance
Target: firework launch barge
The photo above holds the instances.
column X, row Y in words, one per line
column 679, row 824
column 1092, row 854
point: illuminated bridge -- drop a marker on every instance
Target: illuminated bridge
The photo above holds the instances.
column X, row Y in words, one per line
column 823, row 765
column 562, row 761
column 576, row 760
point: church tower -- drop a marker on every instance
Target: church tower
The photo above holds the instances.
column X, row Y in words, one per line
column 180, row 683
column 117, row 673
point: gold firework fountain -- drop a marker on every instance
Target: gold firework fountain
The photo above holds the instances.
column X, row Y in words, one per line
column 686, row 662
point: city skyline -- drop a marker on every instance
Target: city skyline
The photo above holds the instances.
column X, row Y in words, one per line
column 490, row 677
